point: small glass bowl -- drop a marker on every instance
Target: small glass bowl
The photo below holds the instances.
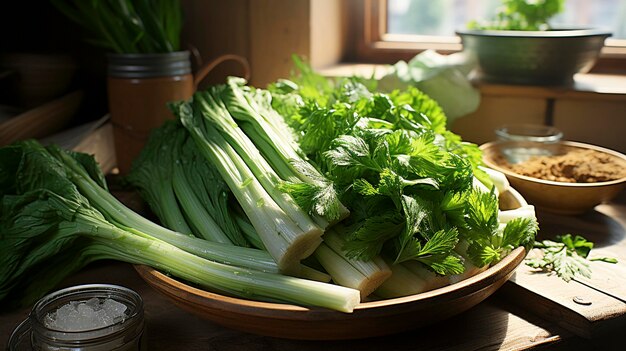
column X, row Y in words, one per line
column 527, row 140
column 126, row 335
column 529, row 132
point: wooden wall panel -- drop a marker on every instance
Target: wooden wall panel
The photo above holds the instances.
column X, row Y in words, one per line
column 278, row 29
column 215, row 28
column 598, row 122
column 493, row 112
column 267, row 33
column 328, row 32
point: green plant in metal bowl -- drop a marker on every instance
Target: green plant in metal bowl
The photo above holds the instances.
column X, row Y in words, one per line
column 522, row 15
column 520, row 47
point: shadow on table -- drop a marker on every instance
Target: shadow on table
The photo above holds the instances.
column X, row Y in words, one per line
column 483, row 327
column 595, row 225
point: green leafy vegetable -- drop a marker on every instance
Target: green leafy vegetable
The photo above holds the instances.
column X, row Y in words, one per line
column 128, row 26
column 253, row 112
column 567, row 257
column 444, row 78
column 171, row 174
column 288, row 234
column 153, row 174
column 523, row 15
column 52, row 227
column 410, row 184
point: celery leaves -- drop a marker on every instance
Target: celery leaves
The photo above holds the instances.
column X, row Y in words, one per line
column 567, row 257
column 407, row 180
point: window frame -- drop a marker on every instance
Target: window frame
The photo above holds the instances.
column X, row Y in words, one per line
column 374, row 45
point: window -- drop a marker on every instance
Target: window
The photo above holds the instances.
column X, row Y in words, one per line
column 398, row 29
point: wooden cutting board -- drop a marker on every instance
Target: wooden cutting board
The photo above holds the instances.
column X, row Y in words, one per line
column 586, row 307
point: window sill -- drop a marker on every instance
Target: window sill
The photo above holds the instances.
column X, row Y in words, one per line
column 586, row 86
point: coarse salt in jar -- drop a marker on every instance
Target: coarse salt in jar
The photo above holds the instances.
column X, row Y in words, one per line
column 94, row 317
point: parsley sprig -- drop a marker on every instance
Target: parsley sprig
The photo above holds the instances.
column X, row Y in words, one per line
column 567, row 257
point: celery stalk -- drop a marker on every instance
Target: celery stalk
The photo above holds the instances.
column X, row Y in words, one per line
column 74, row 218
column 118, row 213
column 215, row 112
column 285, row 241
column 367, row 275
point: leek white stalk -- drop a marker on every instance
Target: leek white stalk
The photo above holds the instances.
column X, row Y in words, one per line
column 274, row 138
column 526, row 211
column 223, row 278
column 431, row 280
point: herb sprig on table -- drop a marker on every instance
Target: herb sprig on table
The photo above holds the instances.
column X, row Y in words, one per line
column 568, row 257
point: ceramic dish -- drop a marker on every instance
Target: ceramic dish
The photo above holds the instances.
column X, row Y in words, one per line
column 552, row 196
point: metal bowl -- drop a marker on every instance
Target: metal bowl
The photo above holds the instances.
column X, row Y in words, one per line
column 533, row 57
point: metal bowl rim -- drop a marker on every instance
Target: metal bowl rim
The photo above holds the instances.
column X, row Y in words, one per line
column 570, row 32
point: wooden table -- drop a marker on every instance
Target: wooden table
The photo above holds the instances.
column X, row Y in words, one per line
column 500, row 323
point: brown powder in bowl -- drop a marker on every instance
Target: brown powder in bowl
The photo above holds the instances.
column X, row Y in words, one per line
column 575, row 166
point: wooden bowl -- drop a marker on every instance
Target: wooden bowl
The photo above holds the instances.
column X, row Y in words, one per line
column 552, row 196
column 369, row 319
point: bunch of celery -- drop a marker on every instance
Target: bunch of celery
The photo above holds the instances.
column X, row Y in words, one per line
column 287, row 232
column 416, row 192
column 421, row 205
column 190, row 193
column 56, row 216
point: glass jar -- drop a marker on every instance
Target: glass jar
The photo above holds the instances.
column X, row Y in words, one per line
column 529, row 132
column 520, row 142
column 124, row 335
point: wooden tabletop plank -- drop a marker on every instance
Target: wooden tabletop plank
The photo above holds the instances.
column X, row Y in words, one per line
column 488, row 326
column 601, row 305
column 553, row 299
